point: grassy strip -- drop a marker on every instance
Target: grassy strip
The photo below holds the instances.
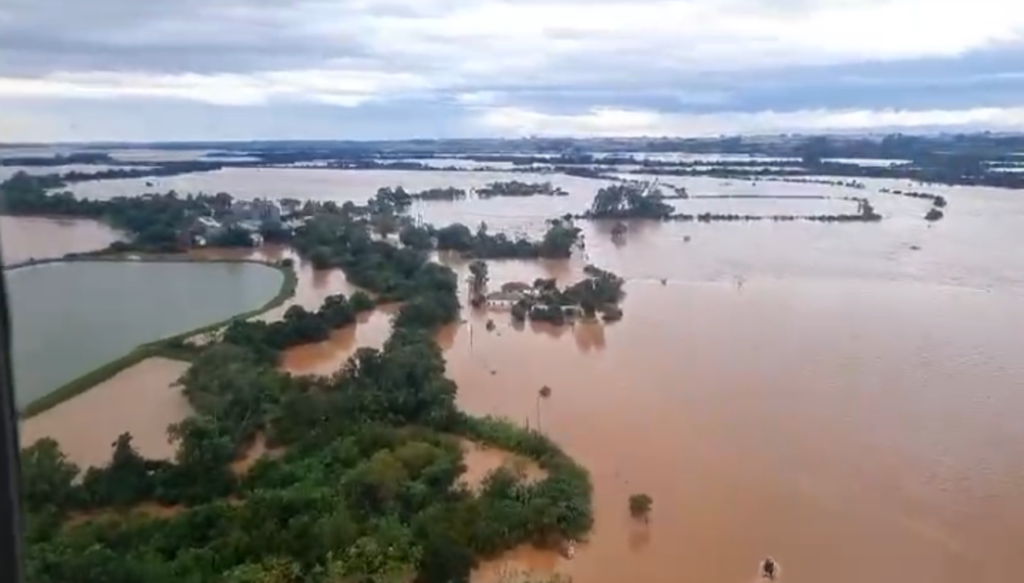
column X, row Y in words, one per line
column 169, row 347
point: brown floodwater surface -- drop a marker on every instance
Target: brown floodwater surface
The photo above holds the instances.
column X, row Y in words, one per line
column 141, row 400
column 855, row 432
column 25, row 238
column 845, row 398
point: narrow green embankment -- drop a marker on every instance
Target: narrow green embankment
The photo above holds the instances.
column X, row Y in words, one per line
column 165, row 347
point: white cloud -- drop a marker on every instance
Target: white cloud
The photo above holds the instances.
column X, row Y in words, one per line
column 345, row 88
column 616, row 122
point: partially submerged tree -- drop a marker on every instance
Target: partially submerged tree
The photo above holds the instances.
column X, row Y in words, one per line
column 640, row 506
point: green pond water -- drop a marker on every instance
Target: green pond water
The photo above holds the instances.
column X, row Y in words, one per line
column 69, row 318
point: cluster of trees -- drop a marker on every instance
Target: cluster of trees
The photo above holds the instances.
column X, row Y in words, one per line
column 629, row 200
column 558, row 241
column 394, row 274
column 600, row 291
column 449, row 193
column 397, row 199
column 366, row 487
column 298, row 326
column 517, row 188
column 157, row 222
column 154, row 220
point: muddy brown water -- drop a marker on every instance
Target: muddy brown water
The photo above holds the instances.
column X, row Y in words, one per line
column 844, row 398
column 141, row 400
column 25, row 238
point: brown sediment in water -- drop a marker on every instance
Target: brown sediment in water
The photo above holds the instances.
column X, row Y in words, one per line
column 25, row 238
column 140, row 400
column 481, row 460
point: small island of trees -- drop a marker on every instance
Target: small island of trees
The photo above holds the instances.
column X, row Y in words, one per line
column 517, row 188
column 599, row 292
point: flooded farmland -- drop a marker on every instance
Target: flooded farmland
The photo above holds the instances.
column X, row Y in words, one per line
column 844, row 397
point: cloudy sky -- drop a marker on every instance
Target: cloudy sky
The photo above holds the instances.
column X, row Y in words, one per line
column 360, row 69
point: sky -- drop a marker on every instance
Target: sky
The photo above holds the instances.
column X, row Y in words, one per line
column 75, row 70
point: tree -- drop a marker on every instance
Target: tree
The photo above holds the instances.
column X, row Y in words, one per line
column 455, row 237
column 478, row 277
column 361, row 302
column 640, row 506
column 47, row 476
column 559, row 240
column 543, row 393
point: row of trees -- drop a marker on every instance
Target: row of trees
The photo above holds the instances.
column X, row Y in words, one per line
column 298, row 326
column 366, row 487
column 517, row 188
column 558, row 241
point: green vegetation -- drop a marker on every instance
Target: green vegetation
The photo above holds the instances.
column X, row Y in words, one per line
column 157, row 223
column 366, row 486
column 299, row 326
column 601, row 291
column 516, row 188
column 173, row 347
column 558, row 242
column 477, row 281
column 629, row 200
column 640, row 506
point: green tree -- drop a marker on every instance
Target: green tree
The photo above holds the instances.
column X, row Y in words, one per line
column 47, row 477
column 640, row 506
column 478, row 277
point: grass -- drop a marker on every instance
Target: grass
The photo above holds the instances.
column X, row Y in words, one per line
column 169, row 347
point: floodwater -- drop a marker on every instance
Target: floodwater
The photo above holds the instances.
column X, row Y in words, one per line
column 25, row 238
column 313, row 286
column 843, row 397
column 140, row 400
column 69, row 318
column 481, row 460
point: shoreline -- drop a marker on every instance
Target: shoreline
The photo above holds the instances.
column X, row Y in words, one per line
column 158, row 347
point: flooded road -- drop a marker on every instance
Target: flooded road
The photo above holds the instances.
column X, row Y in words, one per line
column 845, row 398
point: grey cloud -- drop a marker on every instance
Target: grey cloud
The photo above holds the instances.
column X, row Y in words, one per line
column 38, row 37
